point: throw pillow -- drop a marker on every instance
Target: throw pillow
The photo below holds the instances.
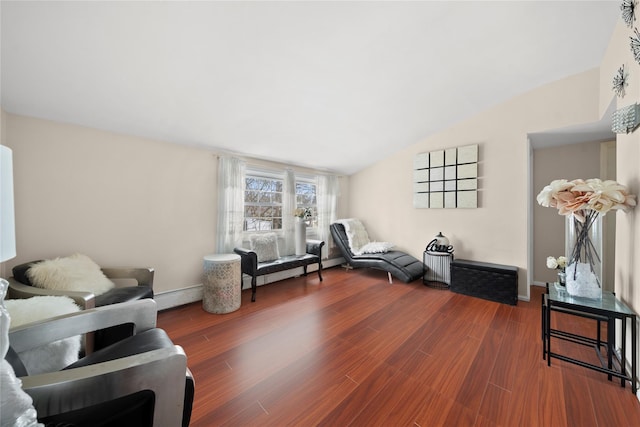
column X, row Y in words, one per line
column 73, row 273
column 375, row 248
column 56, row 355
column 265, row 246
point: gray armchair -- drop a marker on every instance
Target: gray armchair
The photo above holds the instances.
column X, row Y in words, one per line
column 20, row 286
column 130, row 383
column 132, row 284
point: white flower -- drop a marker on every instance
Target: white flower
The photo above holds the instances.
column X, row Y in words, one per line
column 572, row 197
column 562, row 261
column 552, row 263
column 547, row 196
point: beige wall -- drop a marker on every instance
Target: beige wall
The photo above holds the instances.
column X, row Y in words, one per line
column 3, row 269
column 563, row 162
column 628, row 170
column 497, row 230
column 121, row 200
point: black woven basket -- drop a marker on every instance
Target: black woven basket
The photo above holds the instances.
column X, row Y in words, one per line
column 492, row 282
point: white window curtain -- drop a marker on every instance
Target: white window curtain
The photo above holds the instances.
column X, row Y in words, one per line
column 231, row 176
column 328, row 190
column 288, row 206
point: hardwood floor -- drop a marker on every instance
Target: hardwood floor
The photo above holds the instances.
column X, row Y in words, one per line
column 356, row 351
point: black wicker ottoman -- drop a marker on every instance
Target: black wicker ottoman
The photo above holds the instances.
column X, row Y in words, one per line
column 493, row 282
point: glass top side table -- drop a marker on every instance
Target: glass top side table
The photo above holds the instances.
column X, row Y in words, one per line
column 609, row 302
column 608, row 309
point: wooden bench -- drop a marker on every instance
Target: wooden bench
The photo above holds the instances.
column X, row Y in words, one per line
column 251, row 266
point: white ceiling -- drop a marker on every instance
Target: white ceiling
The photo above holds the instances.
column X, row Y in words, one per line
column 331, row 85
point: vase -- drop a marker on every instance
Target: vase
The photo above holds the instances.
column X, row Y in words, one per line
column 301, row 237
column 583, row 248
column 562, row 278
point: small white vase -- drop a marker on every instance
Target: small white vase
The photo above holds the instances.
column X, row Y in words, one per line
column 301, row 237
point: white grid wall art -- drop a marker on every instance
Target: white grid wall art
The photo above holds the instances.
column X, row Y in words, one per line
column 446, row 178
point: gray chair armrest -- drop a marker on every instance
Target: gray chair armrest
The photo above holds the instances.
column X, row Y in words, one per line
column 143, row 276
column 158, row 370
column 142, row 313
column 18, row 290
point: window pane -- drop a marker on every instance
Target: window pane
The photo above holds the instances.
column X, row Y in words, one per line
column 263, row 203
column 251, row 196
column 306, row 199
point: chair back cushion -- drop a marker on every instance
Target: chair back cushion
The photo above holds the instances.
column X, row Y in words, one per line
column 20, row 272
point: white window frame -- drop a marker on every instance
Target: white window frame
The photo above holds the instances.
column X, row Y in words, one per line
column 256, row 172
column 269, row 175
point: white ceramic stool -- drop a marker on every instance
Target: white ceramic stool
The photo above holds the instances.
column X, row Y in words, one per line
column 221, row 286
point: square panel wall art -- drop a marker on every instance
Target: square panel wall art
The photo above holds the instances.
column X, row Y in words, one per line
column 446, row 178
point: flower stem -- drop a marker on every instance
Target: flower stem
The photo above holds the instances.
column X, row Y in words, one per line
column 584, row 249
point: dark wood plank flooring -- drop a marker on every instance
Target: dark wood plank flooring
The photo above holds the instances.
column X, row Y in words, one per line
column 356, row 351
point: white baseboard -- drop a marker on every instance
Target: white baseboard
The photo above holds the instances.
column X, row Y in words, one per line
column 177, row 297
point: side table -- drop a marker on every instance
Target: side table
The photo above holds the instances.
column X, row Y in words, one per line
column 222, row 285
column 607, row 311
column 437, row 267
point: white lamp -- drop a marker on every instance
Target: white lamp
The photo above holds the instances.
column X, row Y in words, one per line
column 7, row 218
column 15, row 405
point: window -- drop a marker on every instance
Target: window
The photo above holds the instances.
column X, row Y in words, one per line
column 264, row 200
column 262, row 203
column 306, row 199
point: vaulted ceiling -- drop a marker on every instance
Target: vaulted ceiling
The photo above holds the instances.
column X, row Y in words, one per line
column 333, row 85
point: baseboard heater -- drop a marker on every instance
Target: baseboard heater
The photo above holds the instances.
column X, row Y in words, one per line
column 493, row 282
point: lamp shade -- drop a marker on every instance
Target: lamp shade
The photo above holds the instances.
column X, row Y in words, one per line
column 7, row 217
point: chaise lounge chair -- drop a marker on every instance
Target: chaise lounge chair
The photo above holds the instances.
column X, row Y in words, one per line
column 396, row 263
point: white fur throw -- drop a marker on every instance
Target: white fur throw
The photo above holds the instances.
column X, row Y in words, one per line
column 358, row 237
column 356, row 233
column 74, row 273
column 265, row 246
column 53, row 356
